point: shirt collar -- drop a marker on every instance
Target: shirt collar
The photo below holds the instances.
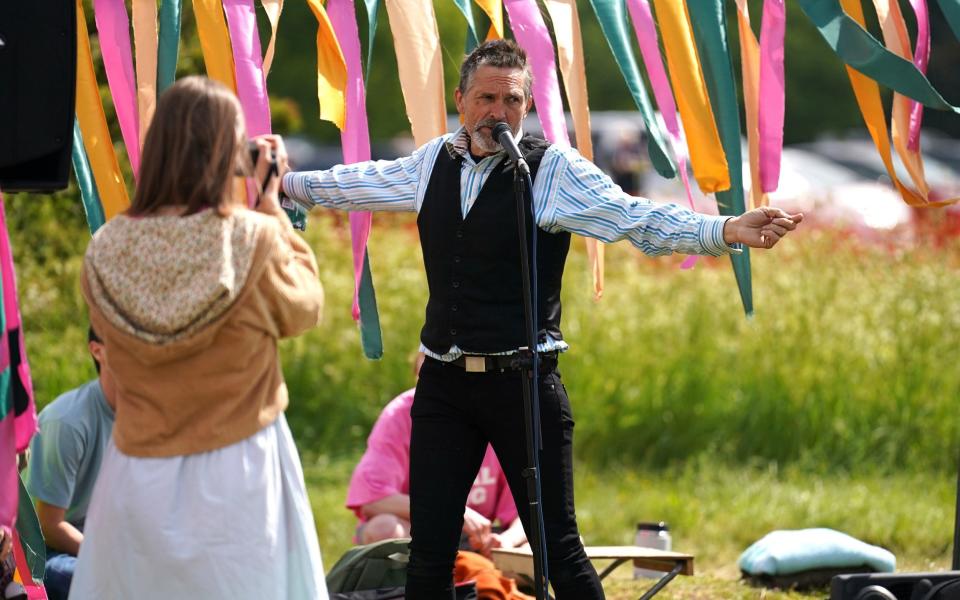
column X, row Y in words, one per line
column 458, row 144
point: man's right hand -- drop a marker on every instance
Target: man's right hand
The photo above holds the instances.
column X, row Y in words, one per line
column 6, row 543
column 477, row 529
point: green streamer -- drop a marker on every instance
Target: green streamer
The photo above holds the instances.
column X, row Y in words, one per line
column 613, row 22
column 168, row 44
column 709, row 32
column 861, row 51
column 373, row 7
column 951, row 12
column 472, row 39
column 370, row 336
column 88, row 189
column 31, row 537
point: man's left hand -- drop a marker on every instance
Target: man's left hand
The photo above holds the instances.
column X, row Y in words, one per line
column 761, row 227
column 6, row 542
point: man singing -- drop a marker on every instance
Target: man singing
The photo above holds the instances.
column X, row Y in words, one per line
column 460, row 186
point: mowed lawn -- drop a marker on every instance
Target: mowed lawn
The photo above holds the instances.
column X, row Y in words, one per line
column 714, row 513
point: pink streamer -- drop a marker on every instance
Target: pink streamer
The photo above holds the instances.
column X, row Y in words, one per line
column 920, row 58
column 16, row 429
column 772, row 93
column 113, row 27
column 646, row 31
column 532, row 35
column 248, row 64
column 355, row 137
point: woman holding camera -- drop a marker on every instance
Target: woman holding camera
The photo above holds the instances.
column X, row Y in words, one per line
column 201, row 492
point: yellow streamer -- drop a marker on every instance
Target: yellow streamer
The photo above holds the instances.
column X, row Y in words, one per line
column 273, row 8
column 566, row 29
column 419, row 63
column 867, row 93
column 145, row 34
column 331, row 69
column 750, row 65
column 215, row 42
column 93, row 127
column 706, row 153
column 494, row 10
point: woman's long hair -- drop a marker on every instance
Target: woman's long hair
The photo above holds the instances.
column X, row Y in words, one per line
column 192, row 150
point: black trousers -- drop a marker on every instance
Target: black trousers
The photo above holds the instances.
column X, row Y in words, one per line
column 455, row 414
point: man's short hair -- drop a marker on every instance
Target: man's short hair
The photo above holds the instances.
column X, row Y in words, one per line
column 504, row 54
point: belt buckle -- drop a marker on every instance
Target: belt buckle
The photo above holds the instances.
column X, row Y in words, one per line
column 475, row 364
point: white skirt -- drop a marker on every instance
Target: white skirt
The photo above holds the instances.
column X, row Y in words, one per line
column 233, row 523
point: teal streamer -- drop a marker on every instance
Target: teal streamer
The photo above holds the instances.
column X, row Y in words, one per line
column 373, row 7
column 370, row 336
column 88, row 189
column 863, row 52
column 709, row 33
column 951, row 12
column 31, row 537
column 168, row 44
column 613, row 21
column 472, row 38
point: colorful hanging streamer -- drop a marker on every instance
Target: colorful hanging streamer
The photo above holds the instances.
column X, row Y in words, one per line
column 494, row 11
column 88, row 190
column 373, row 7
column 331, row 69
column 215, row 42
column 113, row 26
column 18, row 415
column 772, row 92
column 273, row 8
column 467, row 10
column 355, row 139
column 93, row 125
column 532, row 35
column 750, row 70
column 251, row 84
column 419, row 64
column 703, row 140
column 921, row 56
column 709, row 27
column 613, row 21
column 868, row 63
column 168, row 46
column 566, row 29
column 146, row 43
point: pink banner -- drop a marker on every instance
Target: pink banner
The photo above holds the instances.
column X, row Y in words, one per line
column 113, row 27
column 772, row 93
column 920, row 58
column 355, row 137
column 646, row 31
column 26, row 421
column 532, row 35
column 251, row 84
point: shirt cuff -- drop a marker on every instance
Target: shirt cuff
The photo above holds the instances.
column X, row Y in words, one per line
column 711, row 236
column 294, row 185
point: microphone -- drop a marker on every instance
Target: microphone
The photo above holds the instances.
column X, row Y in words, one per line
column 503, row 134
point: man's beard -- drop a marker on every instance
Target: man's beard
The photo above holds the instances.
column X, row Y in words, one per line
column 484, row 141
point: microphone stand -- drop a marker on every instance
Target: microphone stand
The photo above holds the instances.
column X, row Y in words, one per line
column 529, row 362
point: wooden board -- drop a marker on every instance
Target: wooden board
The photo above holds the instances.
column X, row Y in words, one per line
column 520, row 560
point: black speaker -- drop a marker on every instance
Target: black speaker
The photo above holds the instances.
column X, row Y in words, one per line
column 38, row 70
column 890, row 586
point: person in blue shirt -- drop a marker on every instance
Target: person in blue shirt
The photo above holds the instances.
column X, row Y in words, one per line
column 65, row 458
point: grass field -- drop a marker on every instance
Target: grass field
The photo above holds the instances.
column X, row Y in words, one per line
column 715, row 513
column 834, row 405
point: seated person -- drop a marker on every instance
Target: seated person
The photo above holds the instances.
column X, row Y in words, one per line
column 65, row 458
column 379, row 488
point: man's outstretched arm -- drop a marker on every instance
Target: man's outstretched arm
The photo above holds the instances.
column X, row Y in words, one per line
column 382, row 185
column 572, row 194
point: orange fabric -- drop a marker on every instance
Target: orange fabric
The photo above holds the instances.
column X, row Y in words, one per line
column 494, row 10
column 491, row 584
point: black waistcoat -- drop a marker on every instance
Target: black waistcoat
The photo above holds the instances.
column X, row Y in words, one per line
column 473, row 264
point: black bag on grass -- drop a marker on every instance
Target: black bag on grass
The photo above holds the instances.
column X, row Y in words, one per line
column 378, row 566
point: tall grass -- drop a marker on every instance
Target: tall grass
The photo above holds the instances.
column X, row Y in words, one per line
column 847, row 365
